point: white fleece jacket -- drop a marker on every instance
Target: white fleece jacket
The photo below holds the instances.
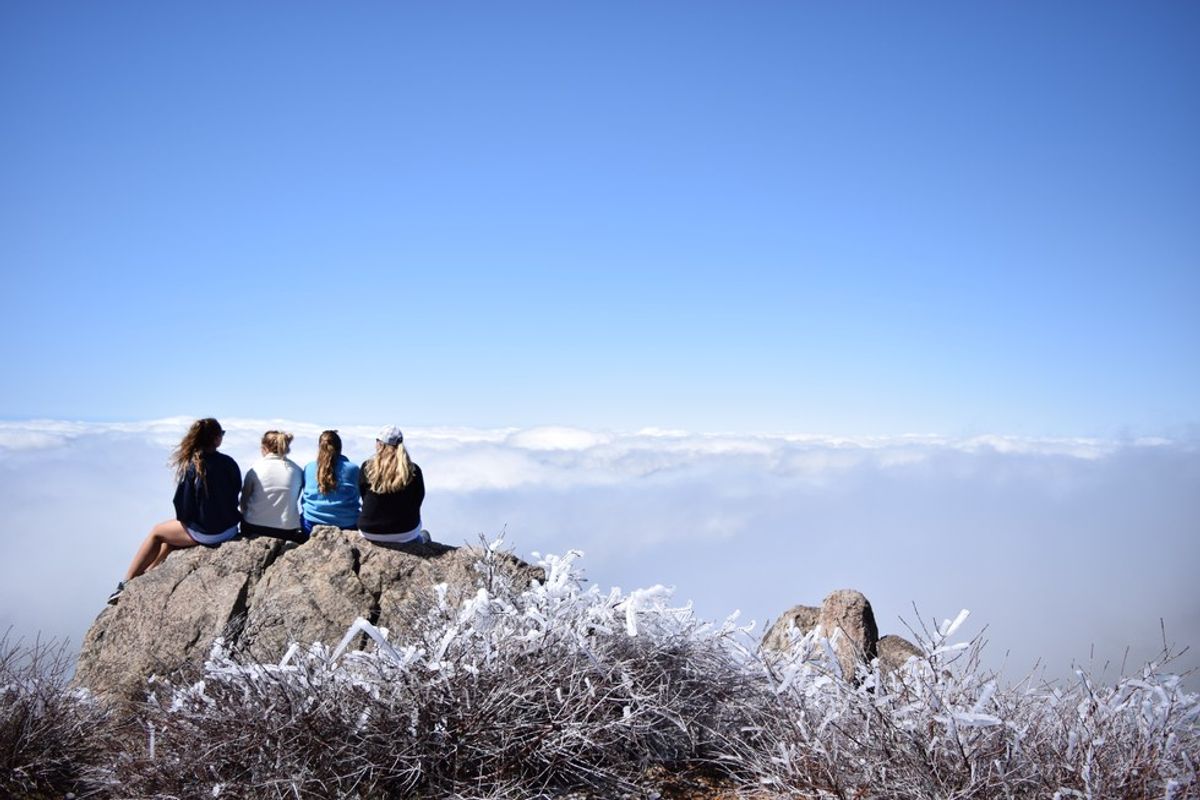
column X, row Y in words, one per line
column 270, row 493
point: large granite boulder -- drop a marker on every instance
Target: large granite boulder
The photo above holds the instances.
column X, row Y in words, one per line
column 170, row 615
column 315, row 591
column 261, row 594
column 845, row 617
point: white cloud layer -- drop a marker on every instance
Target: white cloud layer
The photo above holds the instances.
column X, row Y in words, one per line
column 1063, row 546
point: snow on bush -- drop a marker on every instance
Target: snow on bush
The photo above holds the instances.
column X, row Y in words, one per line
column 509, row 693
column 53, row 740
column 942, row 728
column 559, row 688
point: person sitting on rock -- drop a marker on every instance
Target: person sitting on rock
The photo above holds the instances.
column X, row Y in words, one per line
column 206, row 501
column 271, row 492
column 392, row 489
column 330, row 495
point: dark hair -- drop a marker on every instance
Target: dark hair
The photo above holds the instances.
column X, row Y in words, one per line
column 201, row 438
column 329, row 447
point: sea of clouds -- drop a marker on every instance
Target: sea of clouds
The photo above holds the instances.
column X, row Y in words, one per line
column 1068, row 550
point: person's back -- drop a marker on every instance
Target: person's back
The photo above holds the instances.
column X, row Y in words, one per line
column 340, row 505
column 392, row 489
column 209, row 504
column 391, row 512
column 271, row 491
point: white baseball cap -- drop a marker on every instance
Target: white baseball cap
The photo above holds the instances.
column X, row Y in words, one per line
column 390, row 435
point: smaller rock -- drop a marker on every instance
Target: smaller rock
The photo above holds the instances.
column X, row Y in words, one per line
column 802, row 618
column 846, row 619
column 895, row 651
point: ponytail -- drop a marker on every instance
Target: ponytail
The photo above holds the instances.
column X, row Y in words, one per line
column 329, row 447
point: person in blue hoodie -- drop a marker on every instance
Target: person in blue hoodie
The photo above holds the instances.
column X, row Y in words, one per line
column 206, row 501
column 330, row 494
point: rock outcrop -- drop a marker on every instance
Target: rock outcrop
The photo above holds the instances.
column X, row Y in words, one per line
column 802, row 618
column 895, row 651
column 848, row 613
column 846, row 618
column 261, row 594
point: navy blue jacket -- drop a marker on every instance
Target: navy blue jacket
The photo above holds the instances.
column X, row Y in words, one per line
column 210, row 506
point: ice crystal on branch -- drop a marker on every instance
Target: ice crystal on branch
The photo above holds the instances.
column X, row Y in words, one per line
column 562, row 687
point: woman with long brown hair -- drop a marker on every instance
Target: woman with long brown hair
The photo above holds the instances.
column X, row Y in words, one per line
column 392, row 488
column 330, row 495
column 206, row 501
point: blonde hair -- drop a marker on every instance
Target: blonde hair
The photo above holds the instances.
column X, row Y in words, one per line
column 202, row 437
column 390, row 470
column 329, row 447
column 277, row 442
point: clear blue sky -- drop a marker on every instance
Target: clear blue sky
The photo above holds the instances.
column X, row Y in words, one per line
column 867, row 218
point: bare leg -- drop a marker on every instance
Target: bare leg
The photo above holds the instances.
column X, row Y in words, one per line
column 163, row 551
column 163, row 537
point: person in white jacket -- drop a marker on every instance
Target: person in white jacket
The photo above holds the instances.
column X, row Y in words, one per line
column 271, row 491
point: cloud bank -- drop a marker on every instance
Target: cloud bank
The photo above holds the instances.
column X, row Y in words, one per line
column 1068, row 549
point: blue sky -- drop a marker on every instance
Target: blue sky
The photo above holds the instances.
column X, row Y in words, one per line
column 878, row 219
column 476, row 220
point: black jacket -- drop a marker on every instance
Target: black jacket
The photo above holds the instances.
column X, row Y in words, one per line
column 395, row 512
column 210, row 506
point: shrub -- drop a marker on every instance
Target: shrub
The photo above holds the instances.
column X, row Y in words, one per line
column 513, row 693
column 53, row 741
column 559, row 689
column 942, row 728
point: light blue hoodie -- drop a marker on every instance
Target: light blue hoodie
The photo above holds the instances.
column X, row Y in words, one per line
column 340, row 506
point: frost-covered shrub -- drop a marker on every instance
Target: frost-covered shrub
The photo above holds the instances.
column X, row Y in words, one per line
column 510, row 693
column 558, row 689
column 53, row 741
column 942, row 728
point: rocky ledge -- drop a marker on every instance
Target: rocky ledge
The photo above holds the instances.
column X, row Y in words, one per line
column 261, row 594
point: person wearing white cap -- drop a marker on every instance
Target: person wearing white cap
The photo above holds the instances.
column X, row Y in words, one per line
column 392, row 489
